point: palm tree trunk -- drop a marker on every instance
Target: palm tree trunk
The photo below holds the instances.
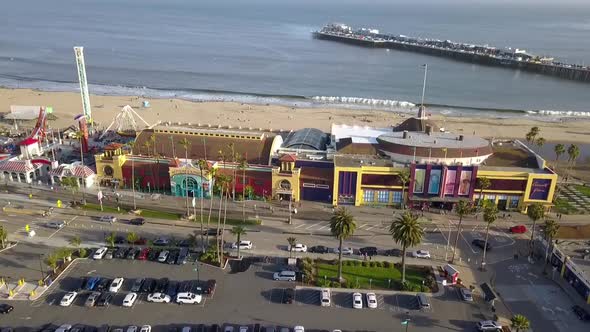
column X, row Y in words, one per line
column 186, row 182
column 456, row 239
column 404, row 248
column 403, row 198
column 244, row 195
column 219, row 244
column 224, row 219
column 202, row 196
column 340, row 260
column 83, row 179
column 485, row 246
column 532, row 241
column 549, row 243
column 238, row 239
column 209, row 217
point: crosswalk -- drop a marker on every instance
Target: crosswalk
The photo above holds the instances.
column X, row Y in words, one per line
column 324, row 226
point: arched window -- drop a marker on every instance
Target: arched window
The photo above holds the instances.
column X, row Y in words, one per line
column 285, row 185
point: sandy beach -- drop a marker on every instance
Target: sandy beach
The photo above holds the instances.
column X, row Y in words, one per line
column 68, row 104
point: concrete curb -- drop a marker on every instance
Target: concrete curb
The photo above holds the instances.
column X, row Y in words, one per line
column 376, row 291
column 9, row 246
column 74, row 262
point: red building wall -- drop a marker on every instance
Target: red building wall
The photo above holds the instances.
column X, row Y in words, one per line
column 157, row 175
column 259, row 179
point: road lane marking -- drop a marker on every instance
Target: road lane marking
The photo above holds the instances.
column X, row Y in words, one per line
column 313, row 225
column 66, row 225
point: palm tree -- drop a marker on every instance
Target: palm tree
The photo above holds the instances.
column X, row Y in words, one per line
column 540, row 142
column 220, row 183
column 573, row 152
column 3, row 237
column 132, row 238
column 75, row 242
column 559, row 149
column 213, row 175
column 404, row 178
column 232, row 155
column 72, row 183
column 483, row 184
column 243, row 165
column 532, row 134
column 152, row 141
column 80, row 136
column 131, row 145
column 342, row 226
column 292, row 241
column 185, row 144
column 110, row 240
column 462, row 208
column 535, row 212
column 202, row 166
column 406, row 230
column 147, row 145
column 490, row 214
column 193, row 239
column 520, row 323
column 227, row 180
column 238, row 231
column 51, row 260
column 549, row 232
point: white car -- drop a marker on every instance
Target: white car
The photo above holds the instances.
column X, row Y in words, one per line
column 99, row 253
column 488, row 325
column 299, row 247
column 325, row 298
column 116, row 285
column 68, row 299
column 163, row 256
column 298, row 328
column 243, row 245
column 109, row 219
column 372, row 300
column 132, row 328
column 146, row 328
column 421, row 254
column 64, row 328
column 345, row 251
column 243, row 329
column 188, row 298
column 56, row 224
column 357, row 300
column 158, row 298
column 129, row 299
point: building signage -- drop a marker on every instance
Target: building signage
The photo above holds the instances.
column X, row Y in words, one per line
column 434, row 184
column 540, row 189
column 450, row 182
column 465, row 183
column 419, row 176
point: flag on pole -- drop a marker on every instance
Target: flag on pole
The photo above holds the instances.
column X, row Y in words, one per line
column 99, row 195
column 194, row 201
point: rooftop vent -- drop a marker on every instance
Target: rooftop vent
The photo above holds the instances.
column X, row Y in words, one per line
column 428, row 130
column 461, row 137
column 405, row 134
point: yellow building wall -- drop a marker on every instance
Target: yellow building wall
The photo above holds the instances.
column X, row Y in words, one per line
column 116, row 163
column 360, row 193
column 292, row 177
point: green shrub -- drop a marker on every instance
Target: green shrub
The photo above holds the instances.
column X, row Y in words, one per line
column 365, row 263
column 336, row 284
column 357, row 263
column 378, row 264
column 387, row 264
column 307, row 260
column 372, row 264
column 321, row 282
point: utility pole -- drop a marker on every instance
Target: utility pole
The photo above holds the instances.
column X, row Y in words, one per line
column 424, row 84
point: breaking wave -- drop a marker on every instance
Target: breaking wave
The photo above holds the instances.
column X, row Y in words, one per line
column 363, row 101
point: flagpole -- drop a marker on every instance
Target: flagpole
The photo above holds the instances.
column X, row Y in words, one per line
column 424, row 84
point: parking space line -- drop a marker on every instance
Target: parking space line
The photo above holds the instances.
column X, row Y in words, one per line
column 370, row 228
column 299, row 226
column 66, row 225
column 325, row 226
column 313, row 225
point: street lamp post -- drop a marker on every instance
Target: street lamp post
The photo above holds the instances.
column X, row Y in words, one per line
column 41, row 266
column 406, row 322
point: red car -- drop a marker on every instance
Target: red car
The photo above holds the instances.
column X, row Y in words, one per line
column 518, row 229
column 143, row 255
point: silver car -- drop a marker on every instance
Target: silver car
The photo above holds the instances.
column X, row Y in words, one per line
column 92, row 298
column 466, row 294
column 57, row 224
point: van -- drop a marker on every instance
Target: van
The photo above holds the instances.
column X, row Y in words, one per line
column 284, row 276
column 188, row 298
column 182, row 256
column 325, row 297
column 423, row 302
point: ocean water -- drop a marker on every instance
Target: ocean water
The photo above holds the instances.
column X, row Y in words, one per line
column 262, row 51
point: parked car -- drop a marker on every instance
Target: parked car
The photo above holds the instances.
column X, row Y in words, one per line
column 64, row 328
column 148, row 286
column 109, row 219
column 146, row 328
column 210, row 286
column 132, row 253
column 188, row 298
column 465, row 294
column 345, row 251
column 153, row 254
column 137, row 221
column 288, row 295
column 393, row 252
column 172, row 257
column 421, row 254
column 325, row 298
column 81, row 285
column 357, row 301
column 372, row 300
column 6, row 308
column 105, row 299
column 119, row 239
column 212, row 231
column 182, row 256
column 158, row 298
column 139, row 242
column 298, row 328
column 68, row 299
column 163, row 256
column 161, row 285
column 171, row 289
column 129, row 299
column 488, row 325
column 121, row 252
column 284, row 275
column 244, row 329
column 519, row 229
column 132, row 328
column 481, row 244
column 143, row 254
column 161, row 241
column 369, row 251
column 116, row 285
column 57, row 224
column 91, row 299
column 581, row 313
column 298, row 247
column 244, row 245
column 92, row 283
column 319, row 249
column 136, row 287
column 110, row 253
column 103, row 284
column 99, row 253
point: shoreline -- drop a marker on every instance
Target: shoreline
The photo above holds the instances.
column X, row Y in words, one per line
column 66, row 105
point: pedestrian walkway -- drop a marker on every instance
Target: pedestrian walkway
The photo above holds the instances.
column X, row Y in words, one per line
column 574, row 197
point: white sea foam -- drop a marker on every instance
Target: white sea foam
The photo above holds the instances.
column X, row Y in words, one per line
column 363, row 101
column 553, row 113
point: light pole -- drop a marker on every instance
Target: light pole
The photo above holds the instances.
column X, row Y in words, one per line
column 424, row 85
column 41, row 266
column 406, row 322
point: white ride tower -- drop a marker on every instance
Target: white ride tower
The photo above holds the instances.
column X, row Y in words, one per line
column 79, row 52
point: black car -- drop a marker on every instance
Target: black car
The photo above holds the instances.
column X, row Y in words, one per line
column 319, row 249
column 82, row 284
column 212, row 231
column 369, row 251
column 161, row 241
column 184, row 286
column 196, row 287
column 137, row 221
column 148, row 286
column 581, row 313
column 137, row 285
column 171, row 289
column 162, row 285
column 215, row 328
column 481, row 244
column 5, row 308
column 103, row 284
column 104, row 328
column 121, row 252
column 120, row 239
column 78, row 328
column 210, row 286
column 153, row 255
column 184, row 243
column 105, row 299
column 172, row 257
column 393, row 252
column 288, row 295
column 132, row 253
